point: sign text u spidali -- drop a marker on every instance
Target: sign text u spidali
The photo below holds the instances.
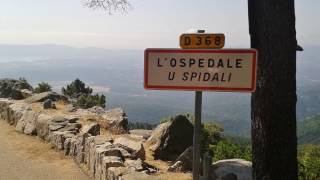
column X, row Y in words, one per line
column 200, row 69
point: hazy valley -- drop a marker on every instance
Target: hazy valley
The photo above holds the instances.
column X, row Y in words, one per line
column 119, row 75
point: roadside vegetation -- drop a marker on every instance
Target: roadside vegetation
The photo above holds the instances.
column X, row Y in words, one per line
column 82, row 95
column 42, row 87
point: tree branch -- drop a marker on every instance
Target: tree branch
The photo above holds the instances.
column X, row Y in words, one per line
column 110, row 6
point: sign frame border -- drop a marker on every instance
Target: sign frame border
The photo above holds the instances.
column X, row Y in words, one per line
column 195, row 88
column 202, row 34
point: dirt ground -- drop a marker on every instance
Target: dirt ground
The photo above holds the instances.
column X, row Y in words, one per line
column 28, row 158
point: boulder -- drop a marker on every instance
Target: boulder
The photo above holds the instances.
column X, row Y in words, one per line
column 110, row 161
column 171, row 138
column 69, row 108
column 115, row 120
column 26, row 93
column 134, row 165
column 93, row 129
column 184, row 162
column 58, row 138
column 96, row 110
column 72, row 128
column 48, row 104
column 4, row 108
column 27, row 123
column 141, row 132
column 11, row 88
column 139, row 176
column 133, row 147
column 41, row 97
column 42, row 126
column 77, row 147
column 15, row 111
column 230, row 176
column 115, row 173
column 231, row 168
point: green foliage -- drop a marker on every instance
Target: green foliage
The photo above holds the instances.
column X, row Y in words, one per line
column 309, row 131
column 11, row 88
column 76, row 89
column 309, row 162
column 88, row 101
column 24, row 84
column 42, row 87
column 164, row 120
column 225, row 149
column 211, row 133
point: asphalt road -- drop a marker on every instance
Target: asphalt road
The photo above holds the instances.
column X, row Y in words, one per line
column 24, row 157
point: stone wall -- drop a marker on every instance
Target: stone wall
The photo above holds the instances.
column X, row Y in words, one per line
column 103, row 157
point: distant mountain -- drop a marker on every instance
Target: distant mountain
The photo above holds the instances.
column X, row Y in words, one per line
column 9, row 53
column 119, row 74
column 309, row 131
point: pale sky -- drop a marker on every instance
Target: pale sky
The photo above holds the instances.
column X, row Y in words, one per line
column 150, row 23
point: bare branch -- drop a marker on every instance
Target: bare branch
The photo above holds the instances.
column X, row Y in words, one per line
column 110, row 6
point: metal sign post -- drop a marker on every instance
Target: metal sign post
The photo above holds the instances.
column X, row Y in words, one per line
column 197, row 132
column 197, row 136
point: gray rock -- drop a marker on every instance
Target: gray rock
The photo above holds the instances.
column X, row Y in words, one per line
column 72, row 119
column 115, row 173
column 27, row 123
column 141, row 132
column 172, row 138
column 26, row 93
column 139, row 176
column 77, row 148
column 96, row 160
column 108, row 162
column 238, row 167
column 113, row 151
column 14, row 112
column 41, row 97
column 176, row 167
column 135, row 148
column 70, row 108
column 48, row 104
column 184, row 162
column 66, row 146
column 71, row 128
column 58, row 138
column 62, row 124
column 96, row 110
column 135, row 165
column 11, row 88
column 115, row 120
column 42, row 126
column 230, row 176
column 92, row 129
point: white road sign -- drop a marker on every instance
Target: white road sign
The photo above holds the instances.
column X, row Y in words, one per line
column 200, row 70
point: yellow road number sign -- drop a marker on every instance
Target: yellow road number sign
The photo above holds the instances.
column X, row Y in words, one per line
column 202, row 41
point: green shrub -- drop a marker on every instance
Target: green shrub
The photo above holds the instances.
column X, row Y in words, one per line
column 211, row 133
column 83, row 95
column 89, row 101
column 76, row 89
column 24, row 84
column 309, row 162
column 42, row 87
column 226, row 149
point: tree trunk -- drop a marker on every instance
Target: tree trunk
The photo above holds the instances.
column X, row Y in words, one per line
column 273, row 104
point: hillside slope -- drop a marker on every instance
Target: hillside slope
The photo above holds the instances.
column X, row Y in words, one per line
column 309, row 131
